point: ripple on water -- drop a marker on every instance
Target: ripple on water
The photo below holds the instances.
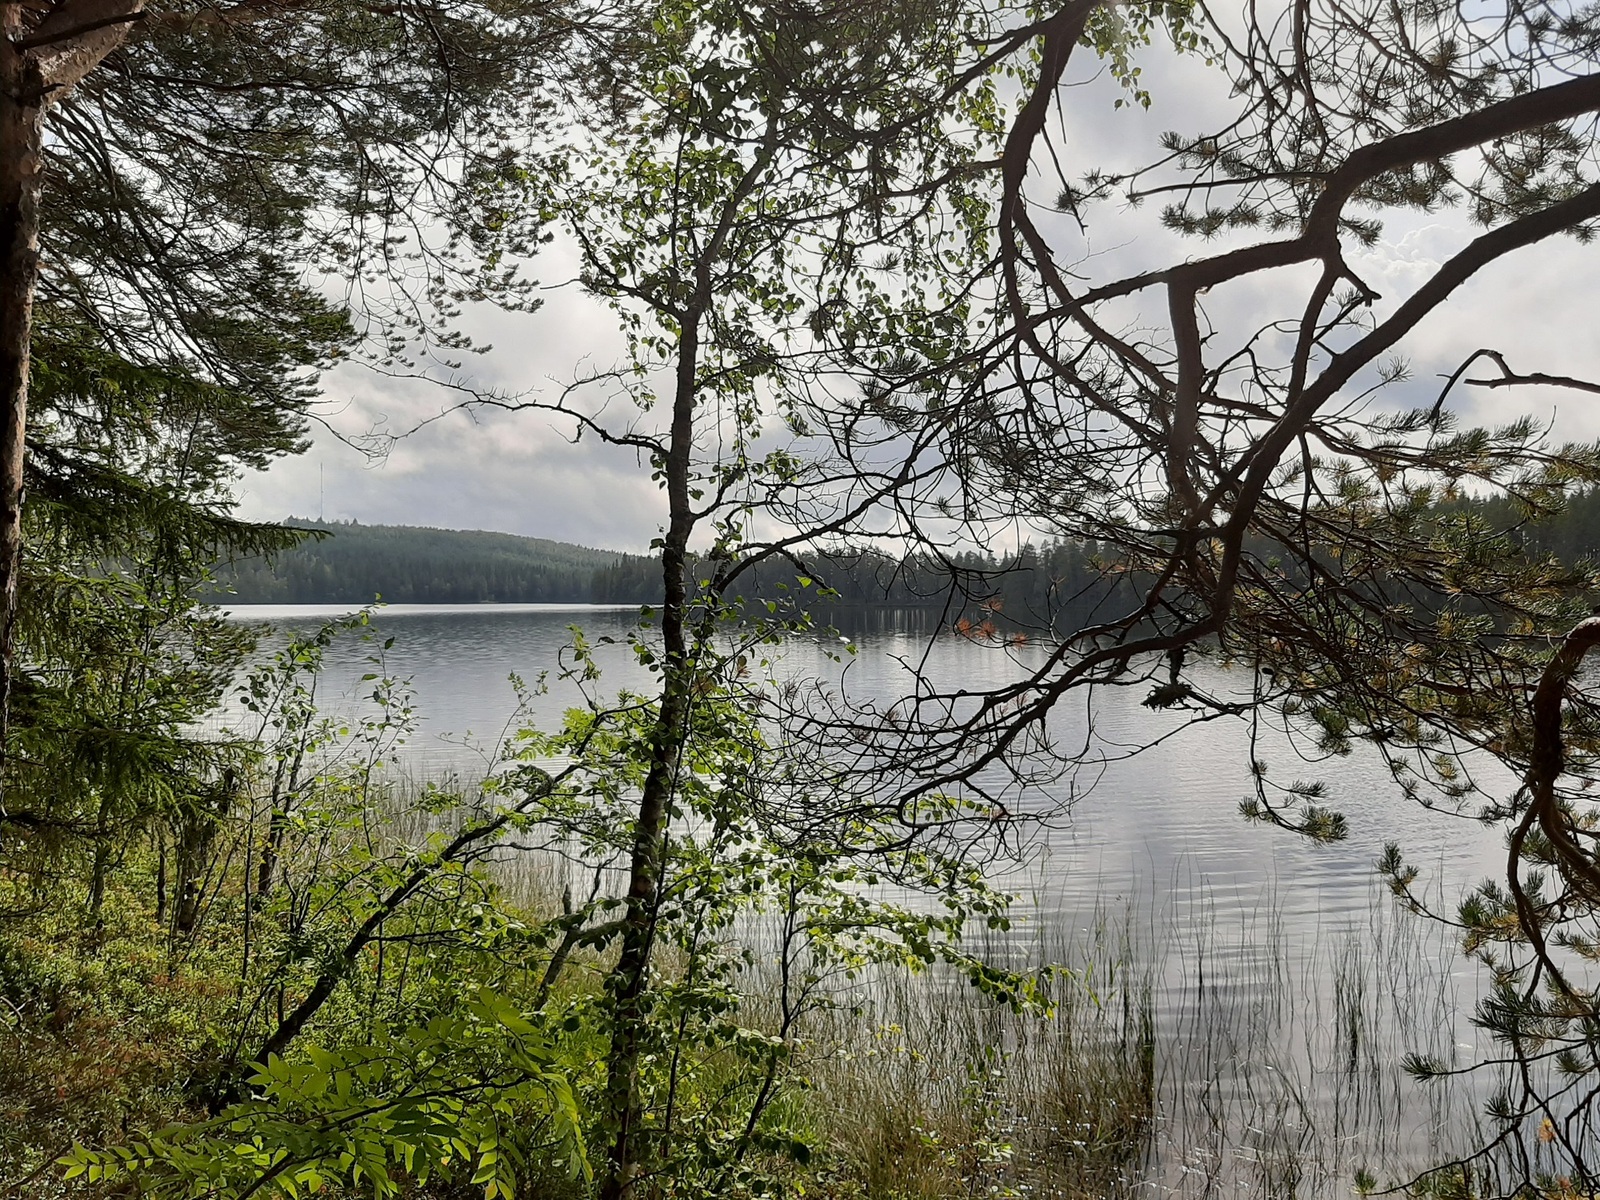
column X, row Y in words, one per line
column 1284, row 986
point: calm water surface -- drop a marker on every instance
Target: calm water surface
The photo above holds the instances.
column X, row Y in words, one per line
column 1285, row 985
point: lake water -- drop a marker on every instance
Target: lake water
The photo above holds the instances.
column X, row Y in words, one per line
column 1286, row 985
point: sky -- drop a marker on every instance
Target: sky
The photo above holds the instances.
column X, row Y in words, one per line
column 523, row 473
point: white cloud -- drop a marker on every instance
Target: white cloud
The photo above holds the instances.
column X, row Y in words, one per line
column 523, row 474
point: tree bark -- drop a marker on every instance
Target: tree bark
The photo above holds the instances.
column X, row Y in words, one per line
column 39, row 64
column 21, row 151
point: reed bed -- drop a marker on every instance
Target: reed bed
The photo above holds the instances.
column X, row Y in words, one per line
column 1190, row 1048
column 1186, row 1054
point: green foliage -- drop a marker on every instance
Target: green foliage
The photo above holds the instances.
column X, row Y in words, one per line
column 301, row 876
column 770, row 859
column 130, row 468
column 300, row 148
column 461, row 1097
column 408, row 1077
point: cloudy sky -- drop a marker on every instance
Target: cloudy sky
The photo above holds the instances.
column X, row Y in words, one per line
column 522, row 473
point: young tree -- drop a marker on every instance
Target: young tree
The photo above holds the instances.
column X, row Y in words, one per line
column 778, row 183
column 131, row 468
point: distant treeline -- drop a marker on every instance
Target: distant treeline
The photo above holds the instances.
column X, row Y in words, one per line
column 1571, row 535
column 404, row 564
column 1035, row 587
column 351, row 563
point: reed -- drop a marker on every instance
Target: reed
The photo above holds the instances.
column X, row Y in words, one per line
column 1181, row 1057
column 1188, row 1049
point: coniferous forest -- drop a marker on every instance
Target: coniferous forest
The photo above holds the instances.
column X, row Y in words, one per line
column 355, row 564
column 1212, row 379
column 358, row 564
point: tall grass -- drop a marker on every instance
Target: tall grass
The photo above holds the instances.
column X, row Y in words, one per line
column 923, row 1089
column 1195, row 1046
column 1189, row 1054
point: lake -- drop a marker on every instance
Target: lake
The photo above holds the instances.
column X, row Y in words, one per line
column 1285, row 983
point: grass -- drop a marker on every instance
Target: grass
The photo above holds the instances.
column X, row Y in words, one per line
column 1193, row 1050
column 1196, row 1060
column 923, row 1093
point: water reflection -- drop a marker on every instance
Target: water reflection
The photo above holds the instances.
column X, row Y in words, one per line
column 1285, row 987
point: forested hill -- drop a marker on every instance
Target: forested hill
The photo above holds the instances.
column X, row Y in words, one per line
column 406, row 564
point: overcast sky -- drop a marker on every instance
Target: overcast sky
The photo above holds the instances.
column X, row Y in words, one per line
column 520, row 473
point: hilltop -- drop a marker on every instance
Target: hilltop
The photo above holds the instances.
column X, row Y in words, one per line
column 347, row 562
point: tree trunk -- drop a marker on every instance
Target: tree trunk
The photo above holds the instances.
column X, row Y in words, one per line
column 39, row 64
column 197, row 833
column 632, row 973
column 161, row 878
column 21, row 147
